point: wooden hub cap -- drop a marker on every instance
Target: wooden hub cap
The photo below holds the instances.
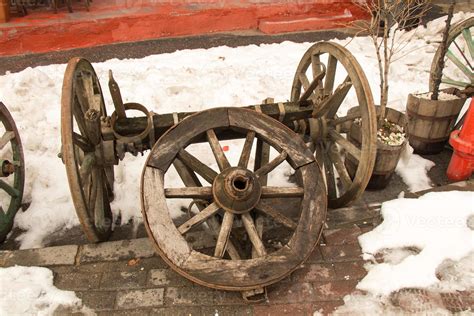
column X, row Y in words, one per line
column 236, row 190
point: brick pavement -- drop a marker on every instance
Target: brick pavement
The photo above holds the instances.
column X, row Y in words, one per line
column 127, row 277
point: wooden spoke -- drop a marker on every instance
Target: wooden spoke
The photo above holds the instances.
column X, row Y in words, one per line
column 82, row 142
column 281, row 192
column 197, row 166
column 262, row 157
column 317, row 71
column 309, row 92
column 202, row 193
column 459, row 64
column 348, row 118
column 92, row 190
column 455, row 83
column 217, row 150
column 347, row 145
column 87, row 165
column 253, row 235
column 463, row 55
column 267, row 168
column 330, row 178
column 6, row 138
column 245, row 155
column 338, row 97
column 224, row 234
column 336, row 159
column 266, row 208
column 99, row 214
column 306, row 87
column 199, row 218
column 9, row 189
column 330, row 75
column 466, row 33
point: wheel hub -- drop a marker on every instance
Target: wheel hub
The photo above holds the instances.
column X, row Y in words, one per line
column 236, row 190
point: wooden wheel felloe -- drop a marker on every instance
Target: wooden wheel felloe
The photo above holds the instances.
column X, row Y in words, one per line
column 328, row 74
column 90, row 179
column 459, row 60
column 234, row 202
column 12, row 172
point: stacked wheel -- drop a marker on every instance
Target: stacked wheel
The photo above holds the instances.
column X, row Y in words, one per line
column 12, row 172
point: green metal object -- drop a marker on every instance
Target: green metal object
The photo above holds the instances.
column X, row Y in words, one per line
column 12, row 172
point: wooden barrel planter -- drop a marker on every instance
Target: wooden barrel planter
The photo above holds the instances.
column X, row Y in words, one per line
column 430, row 122
column 387, row 155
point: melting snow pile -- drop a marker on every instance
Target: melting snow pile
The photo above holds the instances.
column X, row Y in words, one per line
column 413, row 169
column 426, row 243
column 30, row 291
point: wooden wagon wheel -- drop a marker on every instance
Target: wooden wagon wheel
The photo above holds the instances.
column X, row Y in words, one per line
column 231, row 201
column 90, row 180
column 12, row 172
column 459, row 60
column 328, row 89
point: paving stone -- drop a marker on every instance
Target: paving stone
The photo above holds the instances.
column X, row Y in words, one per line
column 334, row 290
column 228, row 297
column 98, row 300
column 139, row 298
column 314, row 272
column 342, row 236
column 178, row 311
column 167, row 277
column 117, row 250
column 234, row 310
column 77, row 281
column 123, row 279
column 352, row 270
column 282, row 309
column 350, row 252
column 59, row 255
column 325, row 308
column 294, row 292
column 131, row 265
column 198, row 295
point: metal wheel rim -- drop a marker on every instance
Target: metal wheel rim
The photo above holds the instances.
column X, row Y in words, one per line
column 71, row 157
column 366, row 109
column 455, row 33
column 6, row 218
column 211, row 271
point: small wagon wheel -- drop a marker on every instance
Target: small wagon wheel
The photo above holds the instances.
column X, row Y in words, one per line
column 329, row 87
column 231, row 201
column 459, row 60
column 90, row 180
column 12, row 172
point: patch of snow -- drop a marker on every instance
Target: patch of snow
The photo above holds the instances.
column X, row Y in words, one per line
column 413, row 169
column 430, row 223
column 30, row 291
column 442, row 96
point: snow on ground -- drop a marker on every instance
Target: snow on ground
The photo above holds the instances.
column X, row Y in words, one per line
column 187, row 80
column 425, row 243
column 30, row 291
column 413, row 169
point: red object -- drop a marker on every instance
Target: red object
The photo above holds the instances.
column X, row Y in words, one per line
column 225, row 148
column 461, row 165
column 115, row 21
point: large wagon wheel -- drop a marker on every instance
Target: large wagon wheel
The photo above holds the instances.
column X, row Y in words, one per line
column 329, row 87
column 459, row 60
column 12, row 172
column 231, row 201
column 90, row 181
